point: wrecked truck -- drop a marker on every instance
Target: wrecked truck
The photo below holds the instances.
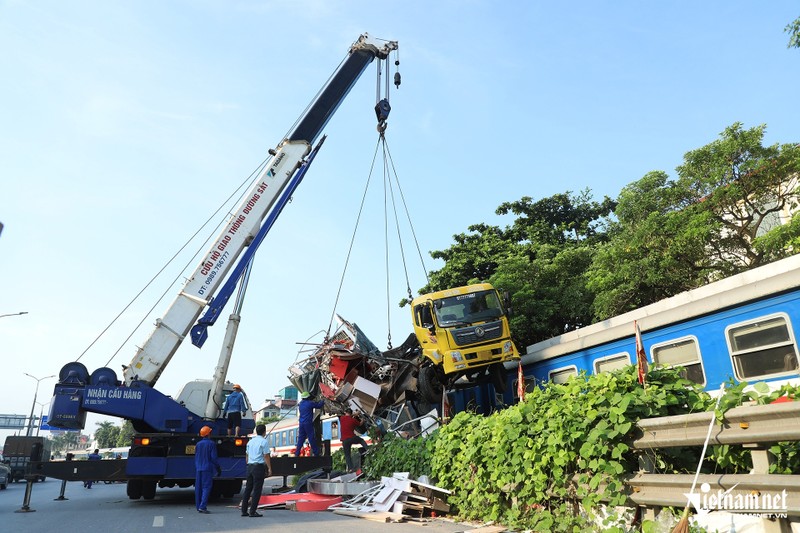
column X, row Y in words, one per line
column 461, row 336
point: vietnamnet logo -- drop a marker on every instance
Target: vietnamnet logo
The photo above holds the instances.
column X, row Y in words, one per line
column 763, row 504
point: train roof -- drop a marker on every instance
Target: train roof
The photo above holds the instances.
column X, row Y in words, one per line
column 767, row 280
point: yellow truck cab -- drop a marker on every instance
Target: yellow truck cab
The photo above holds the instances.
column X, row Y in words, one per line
column 463, row 332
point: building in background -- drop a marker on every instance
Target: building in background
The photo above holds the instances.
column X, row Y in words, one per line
column 284, row 403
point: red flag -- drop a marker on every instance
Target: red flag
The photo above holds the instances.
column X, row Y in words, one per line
column 520, row 382
column 445, row 406
column 641, row 356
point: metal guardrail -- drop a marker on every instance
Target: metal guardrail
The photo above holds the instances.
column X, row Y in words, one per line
column 760, row 493
column 742, row 425
column 770, row 495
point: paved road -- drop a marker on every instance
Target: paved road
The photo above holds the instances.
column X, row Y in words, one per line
column 107, row 508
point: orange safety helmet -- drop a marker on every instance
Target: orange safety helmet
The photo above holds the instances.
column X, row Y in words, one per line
column 205, row 431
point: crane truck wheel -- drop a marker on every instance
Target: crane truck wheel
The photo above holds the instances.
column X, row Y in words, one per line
column 148, row 489
column 134, row 489
column 429, row 385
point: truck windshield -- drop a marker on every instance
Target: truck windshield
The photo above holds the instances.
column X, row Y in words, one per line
column 468, row 308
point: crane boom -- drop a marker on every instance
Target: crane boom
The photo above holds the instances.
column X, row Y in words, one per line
column 152, row 358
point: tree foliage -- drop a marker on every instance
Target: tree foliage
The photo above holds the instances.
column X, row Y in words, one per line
column 568, row 260
column 106, row 434
column 655, row 249
column 725, row 213
column 473, row 257
column 793, row 29
column 125, row 436
column 540, row 260
column 742, row 187
column 63, row 442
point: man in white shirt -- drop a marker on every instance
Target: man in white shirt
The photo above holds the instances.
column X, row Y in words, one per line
column 259, row 466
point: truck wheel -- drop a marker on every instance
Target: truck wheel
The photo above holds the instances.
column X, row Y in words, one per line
column 148, row 489
column 429, row 385
column 498, row 377
column 134, row 489
column 231, row 488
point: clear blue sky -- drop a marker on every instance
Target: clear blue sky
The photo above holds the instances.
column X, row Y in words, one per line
column 124, row 124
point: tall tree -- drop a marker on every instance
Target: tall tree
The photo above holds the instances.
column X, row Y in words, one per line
column 656, row 248
column 559, row 219
column 106, row 434
column 125, row 434
column 725, row 213
column 540, row 259
column 68, row 440
column 747, row 190
column 548, row 292
column 473, row 257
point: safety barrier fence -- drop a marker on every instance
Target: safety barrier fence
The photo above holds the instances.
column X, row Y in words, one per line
column 775, row 497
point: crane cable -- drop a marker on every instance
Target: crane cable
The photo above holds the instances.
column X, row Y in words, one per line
column 352, row 241
column 240, row 191
column 389, row 170
column 382, row 109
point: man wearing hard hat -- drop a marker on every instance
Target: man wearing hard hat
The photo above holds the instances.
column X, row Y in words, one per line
column 205, row 466
column 234, row 410
column 306, row 423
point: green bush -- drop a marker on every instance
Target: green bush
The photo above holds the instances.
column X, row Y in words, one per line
column 546, row 463
column 396, row 454
column 519, row 466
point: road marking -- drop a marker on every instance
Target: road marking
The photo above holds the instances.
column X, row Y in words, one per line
column 158, row 521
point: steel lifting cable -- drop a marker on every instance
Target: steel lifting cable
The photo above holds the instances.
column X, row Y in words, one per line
column 388, row 155
column 387, row 186
column 241, row 190
column 352, row 241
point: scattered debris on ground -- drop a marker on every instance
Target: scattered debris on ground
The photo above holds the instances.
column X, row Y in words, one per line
column 396, row 498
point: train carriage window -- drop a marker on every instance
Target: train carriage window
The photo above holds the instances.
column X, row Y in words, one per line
column 529, row 382
column 684, row 353
column 611, row 362
column 561, row 375
column 762, row 348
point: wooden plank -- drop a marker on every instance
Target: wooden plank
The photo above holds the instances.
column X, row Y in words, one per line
column 374, row 516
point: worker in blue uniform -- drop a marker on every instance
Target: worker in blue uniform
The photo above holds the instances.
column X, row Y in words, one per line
column 234, row 410
column 306, row 430
column 205, row 466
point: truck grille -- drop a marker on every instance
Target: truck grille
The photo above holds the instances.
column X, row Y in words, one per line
column 472, row 334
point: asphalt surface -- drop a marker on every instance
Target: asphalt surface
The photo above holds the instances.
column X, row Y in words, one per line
column 106, row 507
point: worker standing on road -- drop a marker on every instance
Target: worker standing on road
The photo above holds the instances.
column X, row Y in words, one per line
column 349, row 424
column 94, row 456
column 234, row 410
column 306, row 423
column 205, row 466
column 259, row 465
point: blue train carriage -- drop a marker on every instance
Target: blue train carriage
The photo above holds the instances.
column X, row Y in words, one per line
column 282, row 435
column 741, row 327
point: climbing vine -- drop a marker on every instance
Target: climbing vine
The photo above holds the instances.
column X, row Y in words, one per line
column 548, row 463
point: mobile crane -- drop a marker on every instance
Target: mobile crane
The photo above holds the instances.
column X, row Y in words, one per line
column 167, row 428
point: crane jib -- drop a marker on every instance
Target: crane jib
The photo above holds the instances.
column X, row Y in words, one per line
column 200, row 330
column 323, row 108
